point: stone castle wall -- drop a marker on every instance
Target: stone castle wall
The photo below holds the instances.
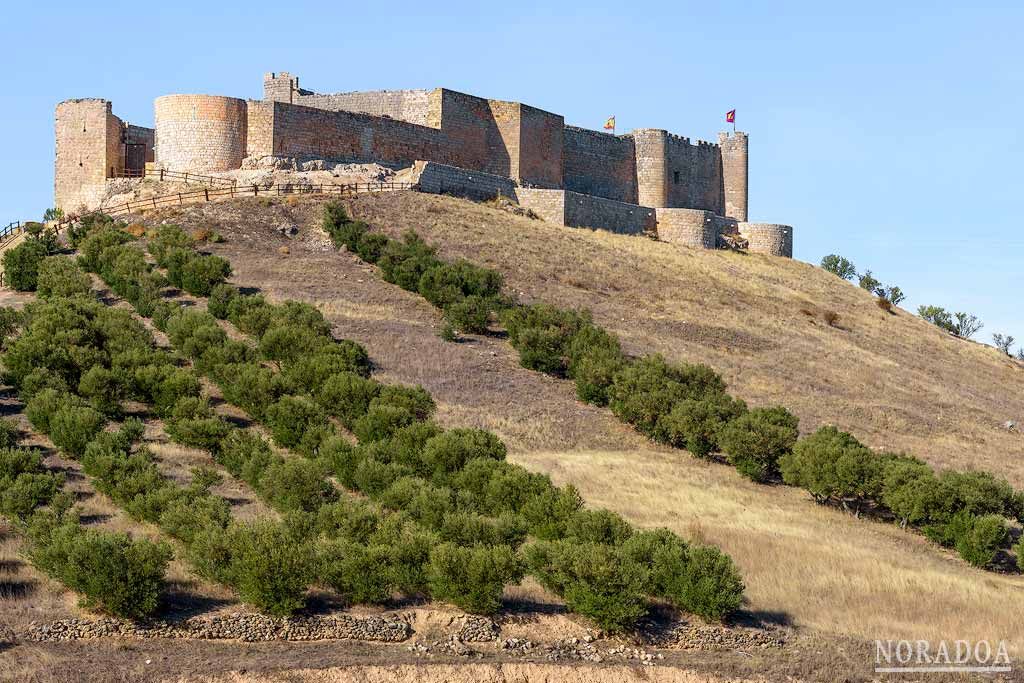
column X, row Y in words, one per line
column 200, row 133
column 599, row 164
column 641, row 182
column 768, row 238
column 688, row 227
column 735, row 168
column 89, row 149
column 442, row 179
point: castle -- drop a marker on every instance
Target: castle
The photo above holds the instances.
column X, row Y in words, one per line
column 645, row 181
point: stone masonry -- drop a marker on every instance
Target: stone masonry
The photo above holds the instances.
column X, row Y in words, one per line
column 648, row 180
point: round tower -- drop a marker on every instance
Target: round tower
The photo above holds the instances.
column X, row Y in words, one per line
column 200, row 133
column 735, row 168
column 651, row 167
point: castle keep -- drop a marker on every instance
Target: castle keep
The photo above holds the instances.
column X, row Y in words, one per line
column 647, row 180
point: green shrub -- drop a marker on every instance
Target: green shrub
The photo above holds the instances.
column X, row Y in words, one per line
column 360, row 573
column 695, row 424
column 469, row 529
column 598, row 526
column 251, row 386
column 73, row 427
column 414, row 399
column 665, row 556
column 645, row 390
column 422, row 501
column 24, row 482
column 251, row 314
column 381, row 422
column 349, row 518
column 473, row 578
column 241, row 449
column 112, row 572
column 291, row 484
column 371, row 246
column 404, row 263
column 912, row 491
column 448, row 283
column 373, row 477
column 347, row 396
column 9, row 433
column 271, row 566
column 982, row 539
column 548, row 513
column 309, row 372
column 756, row 440
column 60, row 276
column 186, row 517
column 291, row 417
column 406, row 445
column 342, row 459
column 711, row 586
column 43, row 406
column 594, row 579
column 193, row 423
column 594, row 372
column 832, row 465
column 471, row 315
column 102, row 389
column 408, row 553
column 448, row 452
column 219, row 303
column 21, row 265
column 288, row 343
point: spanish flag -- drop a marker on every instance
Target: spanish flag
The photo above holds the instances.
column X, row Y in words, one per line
column 610, row 123
column 730, row 116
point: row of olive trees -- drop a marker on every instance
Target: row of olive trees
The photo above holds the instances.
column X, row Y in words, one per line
column 844, row 268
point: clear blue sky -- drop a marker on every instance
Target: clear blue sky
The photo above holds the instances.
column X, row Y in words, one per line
column 886, row 132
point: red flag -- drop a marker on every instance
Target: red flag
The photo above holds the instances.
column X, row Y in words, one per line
column 610, row 123
column 730, row 116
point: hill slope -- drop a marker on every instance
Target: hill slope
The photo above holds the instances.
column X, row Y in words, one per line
column 893, row 380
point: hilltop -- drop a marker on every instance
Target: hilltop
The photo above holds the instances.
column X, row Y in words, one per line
column 892, row 380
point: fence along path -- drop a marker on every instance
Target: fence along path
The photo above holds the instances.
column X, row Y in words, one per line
column 208, row 194
column 11, row 234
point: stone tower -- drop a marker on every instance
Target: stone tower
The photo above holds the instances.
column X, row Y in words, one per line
column 651, row 166
column 735, row 167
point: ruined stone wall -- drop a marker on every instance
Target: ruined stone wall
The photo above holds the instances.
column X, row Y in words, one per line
column 441, row 179
column 599, row 164
column 88, row 145
column 735, row 169
column 200, row 133
column 693, row 174
column 768, row 238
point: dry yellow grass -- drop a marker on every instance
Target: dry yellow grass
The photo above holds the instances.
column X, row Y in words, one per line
column 817, row 566
column 893, row 380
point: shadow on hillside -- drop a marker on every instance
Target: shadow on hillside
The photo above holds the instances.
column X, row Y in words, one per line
column 761, row 619
column 181, row 602
column 16, row 589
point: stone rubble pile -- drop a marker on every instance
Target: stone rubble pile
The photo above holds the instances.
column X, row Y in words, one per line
column 684, row 636
column 243, row 627
column 478, row 630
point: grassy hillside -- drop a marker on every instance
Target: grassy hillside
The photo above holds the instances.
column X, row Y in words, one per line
column 893, row 380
